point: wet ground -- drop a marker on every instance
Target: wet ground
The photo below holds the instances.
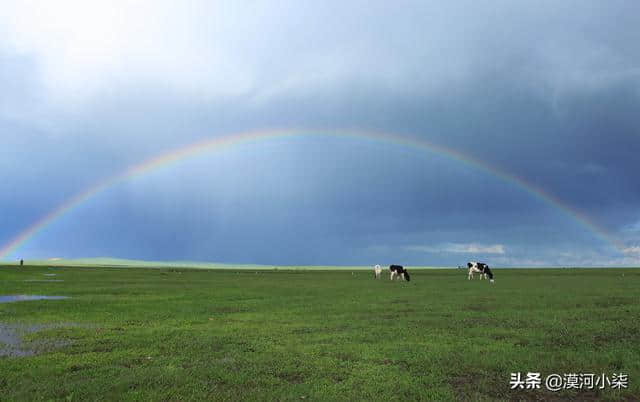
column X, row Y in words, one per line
column 12, row 336
column 45, row 280
column 12, row 343
column 16, row 298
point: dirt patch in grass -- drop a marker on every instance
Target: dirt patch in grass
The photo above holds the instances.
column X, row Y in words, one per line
column 399, row 363
column 291, row 377
column 301, row 331
column 620, row 334
column 499, row 337
column 461, row 386
column 476, row 321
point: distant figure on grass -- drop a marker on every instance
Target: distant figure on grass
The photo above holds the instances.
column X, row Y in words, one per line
column 400, row 272
column 377, row 271
column 481, row 268
column 21, row 262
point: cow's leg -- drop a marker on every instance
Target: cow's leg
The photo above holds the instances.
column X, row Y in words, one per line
column 470, row 274
column 402, row 276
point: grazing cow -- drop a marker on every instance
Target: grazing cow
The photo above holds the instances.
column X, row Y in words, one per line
column 377, row 270
column 481, row 268
column 400, row 272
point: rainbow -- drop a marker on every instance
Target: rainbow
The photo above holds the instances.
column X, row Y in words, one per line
column 221, row 142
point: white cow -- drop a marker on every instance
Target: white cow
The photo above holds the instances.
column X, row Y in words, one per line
column 377, row 271
column 482, row 268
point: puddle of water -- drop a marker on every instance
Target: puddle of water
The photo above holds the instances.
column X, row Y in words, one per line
column 10, row 342
column 49, row 274
column 12, row 345
column 8, row 336
column 15, row 298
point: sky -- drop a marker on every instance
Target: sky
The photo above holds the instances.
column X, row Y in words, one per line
column 414, row 133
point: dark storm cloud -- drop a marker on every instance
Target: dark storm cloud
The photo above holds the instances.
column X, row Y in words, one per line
column 548, row 92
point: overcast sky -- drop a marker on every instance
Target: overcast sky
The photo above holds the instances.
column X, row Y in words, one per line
column 547, row 92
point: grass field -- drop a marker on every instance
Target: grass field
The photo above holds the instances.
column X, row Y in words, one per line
column 169, row 334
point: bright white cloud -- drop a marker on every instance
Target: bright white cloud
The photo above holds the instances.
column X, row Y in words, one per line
column 268, row 49
column 84, row 47
column 631, row 251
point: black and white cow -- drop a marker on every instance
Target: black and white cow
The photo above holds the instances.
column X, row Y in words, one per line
column 377, row 271
column 480, row 267
column 400, row 272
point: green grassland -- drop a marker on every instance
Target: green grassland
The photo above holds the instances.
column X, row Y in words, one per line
column 174, row 334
